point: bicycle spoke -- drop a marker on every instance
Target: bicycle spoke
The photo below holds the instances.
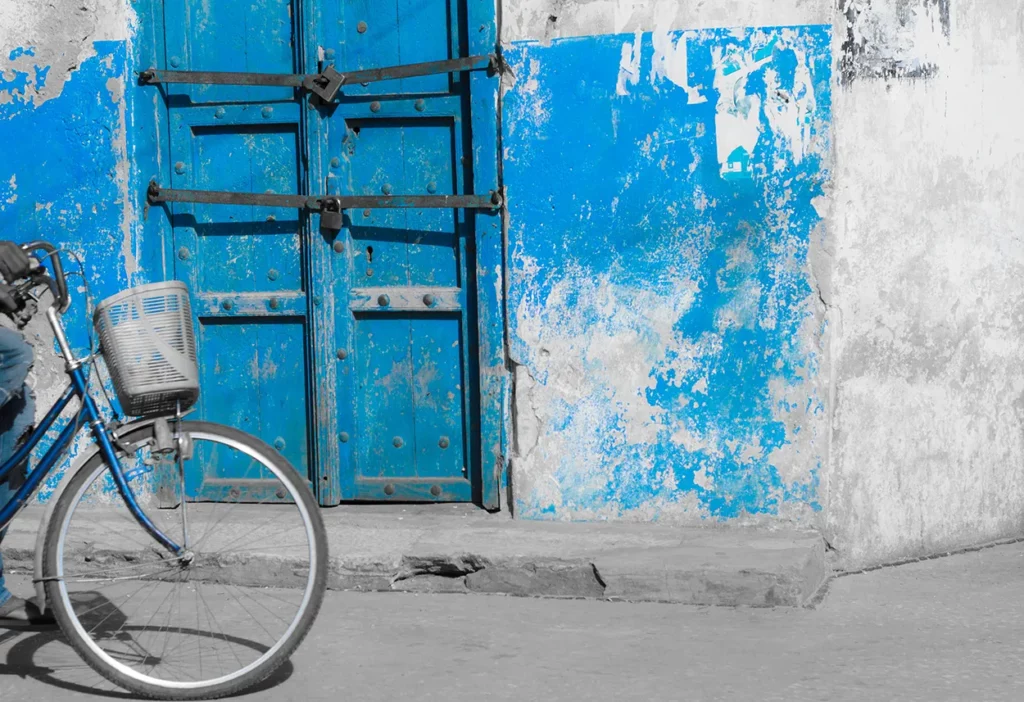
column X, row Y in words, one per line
column 94, row 575
column 251, row 532
column 163, row 651
column 213, row 617
column 217, row 506
column 257, row 619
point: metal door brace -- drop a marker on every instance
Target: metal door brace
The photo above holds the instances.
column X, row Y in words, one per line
column 330, row 207
column 328, row 82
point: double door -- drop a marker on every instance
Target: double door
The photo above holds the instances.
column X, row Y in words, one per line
column 367, row 351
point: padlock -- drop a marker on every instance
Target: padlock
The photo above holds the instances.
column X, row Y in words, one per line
column 330, row 215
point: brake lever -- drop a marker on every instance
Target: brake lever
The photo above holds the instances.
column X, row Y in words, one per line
column 29, row 293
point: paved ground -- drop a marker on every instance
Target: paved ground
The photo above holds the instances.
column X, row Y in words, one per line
column 947, row 629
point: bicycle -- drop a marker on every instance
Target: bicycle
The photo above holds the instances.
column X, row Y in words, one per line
column 140, row 613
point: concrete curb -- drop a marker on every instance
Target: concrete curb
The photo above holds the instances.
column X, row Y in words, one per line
column 429, row 549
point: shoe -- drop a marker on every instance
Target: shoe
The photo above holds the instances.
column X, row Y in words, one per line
column 17, row 613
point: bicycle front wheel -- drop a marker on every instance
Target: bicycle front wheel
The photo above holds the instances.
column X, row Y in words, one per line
column 215, row 619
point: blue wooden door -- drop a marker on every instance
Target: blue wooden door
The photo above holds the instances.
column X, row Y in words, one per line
column 358, row 355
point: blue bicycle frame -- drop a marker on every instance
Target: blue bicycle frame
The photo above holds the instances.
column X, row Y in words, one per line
column 89, row 414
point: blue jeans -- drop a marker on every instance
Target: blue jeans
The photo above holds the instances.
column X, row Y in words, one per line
column 17, row 413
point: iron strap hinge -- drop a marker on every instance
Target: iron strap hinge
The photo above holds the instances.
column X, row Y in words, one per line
column 328, row 82
column 330, row 207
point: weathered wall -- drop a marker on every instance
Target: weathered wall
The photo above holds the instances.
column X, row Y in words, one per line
column 914, row 269
column 67, row 107
column 929, row 363
column 665, row 321
column 827, row 333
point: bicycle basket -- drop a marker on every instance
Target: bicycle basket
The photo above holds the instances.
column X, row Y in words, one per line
column 150, row 348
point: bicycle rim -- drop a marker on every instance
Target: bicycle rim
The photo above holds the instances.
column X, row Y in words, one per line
column 217, row 620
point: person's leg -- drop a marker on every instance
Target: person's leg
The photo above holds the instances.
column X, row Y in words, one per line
column 17, row 413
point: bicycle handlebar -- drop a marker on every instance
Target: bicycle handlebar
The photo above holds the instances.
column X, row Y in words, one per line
column 58, row 284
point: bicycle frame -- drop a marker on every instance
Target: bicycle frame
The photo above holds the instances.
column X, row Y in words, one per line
column 89, row 414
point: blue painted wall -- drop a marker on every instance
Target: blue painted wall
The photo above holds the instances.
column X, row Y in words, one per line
column 72, row 172
column 65, row 175
column 662, row 313
column 662, row 308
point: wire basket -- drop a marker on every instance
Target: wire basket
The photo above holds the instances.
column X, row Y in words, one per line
column 150, row 348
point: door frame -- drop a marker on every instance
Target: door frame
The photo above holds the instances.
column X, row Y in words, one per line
column 488, row 444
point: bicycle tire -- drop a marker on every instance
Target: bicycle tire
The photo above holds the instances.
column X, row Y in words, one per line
column 58, row 597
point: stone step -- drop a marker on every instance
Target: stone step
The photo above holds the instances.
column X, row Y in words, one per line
column 458, row 548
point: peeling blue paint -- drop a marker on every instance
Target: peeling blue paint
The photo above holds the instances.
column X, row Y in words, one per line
column 659, row 286
column 64, row 178
column 62, row 158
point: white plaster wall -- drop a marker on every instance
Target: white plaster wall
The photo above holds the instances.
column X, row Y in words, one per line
column 544, row 20
column 928, row 427
column 61, row 35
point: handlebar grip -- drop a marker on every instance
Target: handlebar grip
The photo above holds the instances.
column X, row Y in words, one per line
column 61, row 293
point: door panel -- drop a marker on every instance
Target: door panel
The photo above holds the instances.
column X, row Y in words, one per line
column 231, row 35
column 403, row 247
column 255, row 382
column 410, row 390
column 374, row 34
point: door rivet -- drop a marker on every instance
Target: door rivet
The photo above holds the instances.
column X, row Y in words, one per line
column 435, row 490
column 175, row 61
column 366, row 213
column 227, row 305
column 183, row 253
column 267, row 111
column 428, row 300
column 234, row 493
column 279, row 445
column 272, row 274
column 374, row 106
column 383, row 300
column 431, row 187
column 335, row 162
column 317, row 300
column 280, row 493
column 443, row 442
column 338, row 247
column 389, row 489
column 420, row 105
column 397, row 441
column 274, row 303
column 328, row 53
column 219, row 113
column 179, row 168
column 361, row 27
column 369, row 272
column 342, row 354
column 386, row 188
column 344, row 437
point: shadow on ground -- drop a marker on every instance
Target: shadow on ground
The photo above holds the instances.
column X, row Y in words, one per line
column 23, row 660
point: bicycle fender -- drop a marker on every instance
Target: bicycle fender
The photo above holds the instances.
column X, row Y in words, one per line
column 44, row 525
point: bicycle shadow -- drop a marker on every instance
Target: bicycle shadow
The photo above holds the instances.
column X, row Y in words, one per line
column 22, row 657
